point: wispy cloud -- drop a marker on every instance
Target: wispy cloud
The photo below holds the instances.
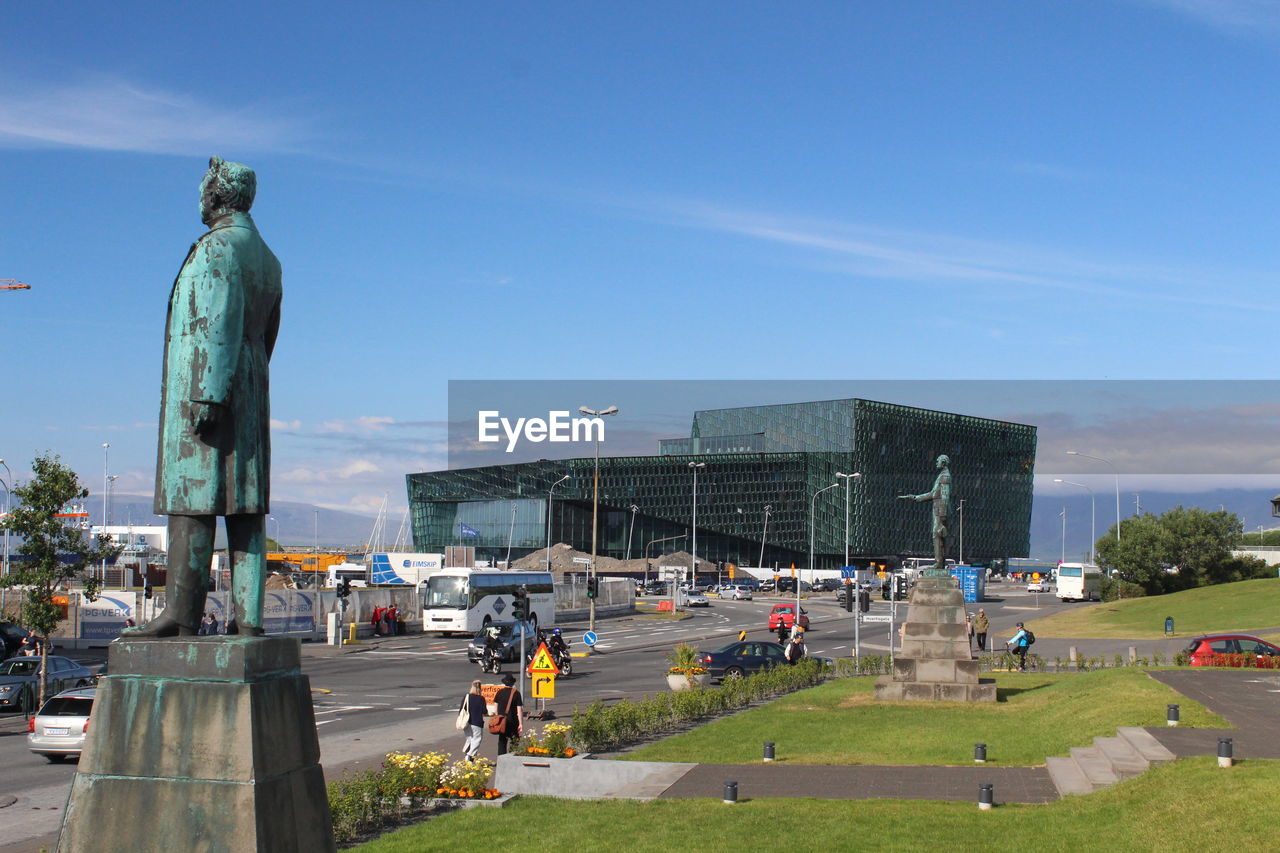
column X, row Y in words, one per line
column 113, row 114
column 945, row 259
column 1238, row 17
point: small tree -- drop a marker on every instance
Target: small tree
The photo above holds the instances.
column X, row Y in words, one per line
column 57, row 553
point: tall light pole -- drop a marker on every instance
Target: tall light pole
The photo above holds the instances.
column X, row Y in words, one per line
column 595, row 504
column 960, row 556
column 277, row 521
column 315, row 542
column 695, row 467
column 1093, row 523
column 511, row 534
column 650, row 544
column 631, row 532
column 550, row 493
column 1063, row 514
column 764, row 531
column 8, row 508
column 813, row 506
column 848, row 481
column 1115, row 471
column 106, row 450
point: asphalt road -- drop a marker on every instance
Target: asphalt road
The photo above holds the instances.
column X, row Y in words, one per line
column 401, row 693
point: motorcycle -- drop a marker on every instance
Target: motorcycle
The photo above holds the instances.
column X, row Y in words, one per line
column 490, row 661
column 563, row 661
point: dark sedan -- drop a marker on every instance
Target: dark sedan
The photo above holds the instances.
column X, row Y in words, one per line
column 20, row 680
column 13, row 635
column 738, row 659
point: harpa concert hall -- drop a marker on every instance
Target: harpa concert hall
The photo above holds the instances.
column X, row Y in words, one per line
column 763, row 466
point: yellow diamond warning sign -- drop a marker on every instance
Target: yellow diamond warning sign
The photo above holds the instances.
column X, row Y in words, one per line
column 542, row 661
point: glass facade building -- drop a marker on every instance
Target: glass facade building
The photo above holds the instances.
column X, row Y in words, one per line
column 757, row 456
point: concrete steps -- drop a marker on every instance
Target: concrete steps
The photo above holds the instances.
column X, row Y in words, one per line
column 1110, row 759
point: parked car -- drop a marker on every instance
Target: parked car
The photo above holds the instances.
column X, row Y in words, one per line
column 694, row 599
column 59, row 729
column 510, row 637
column 768, row 586
column 738, row 659
column 12, row 634
column 657, row 588
column 736, row 592
column 20, row 680
column 785, row 615
column 1233, row 650
column 827, row 585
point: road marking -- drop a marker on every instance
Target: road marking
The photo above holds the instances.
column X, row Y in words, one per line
column 1013, row 607
column 342, row 708
column 406, row 709
column 838, row 648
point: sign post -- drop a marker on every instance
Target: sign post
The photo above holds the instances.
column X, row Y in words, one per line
column 543, row 669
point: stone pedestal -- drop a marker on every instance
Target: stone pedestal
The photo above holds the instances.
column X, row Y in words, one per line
column 935, row 662
column 200, row 743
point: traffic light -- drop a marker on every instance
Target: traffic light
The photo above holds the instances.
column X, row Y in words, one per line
column 849, row 593
column 344, row 587
column 593, row 587
column 147, row 591
column 864, row 601
column 519, row 604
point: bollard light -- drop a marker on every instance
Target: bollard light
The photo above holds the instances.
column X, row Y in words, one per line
column 1224, row 752
column 985, row 796
column 768, row 750
column 730, row 792
column 1173, row 716
column 980, row 753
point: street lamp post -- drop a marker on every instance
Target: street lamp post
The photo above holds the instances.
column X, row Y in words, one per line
column 595, row 504
column 551, row 492
column 634, row 509
column 106, row 450
column 1116, row 472
column 511, row 533
column 1093, row 522
column 764, row 532
column 813, row 506
column 8, row 508
column 695, row 467
column 848, row 481
column 960, row 556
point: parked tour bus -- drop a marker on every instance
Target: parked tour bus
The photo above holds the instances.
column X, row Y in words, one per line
column 465, row 600
column 1079, row 582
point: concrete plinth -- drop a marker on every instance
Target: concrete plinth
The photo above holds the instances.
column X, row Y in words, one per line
column 201, row 743
column 935, row 663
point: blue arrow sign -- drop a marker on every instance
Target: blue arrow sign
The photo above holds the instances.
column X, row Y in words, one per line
column 847, row 572
column 590, row 638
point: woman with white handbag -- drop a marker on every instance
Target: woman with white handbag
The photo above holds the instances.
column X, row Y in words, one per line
column 471, row 719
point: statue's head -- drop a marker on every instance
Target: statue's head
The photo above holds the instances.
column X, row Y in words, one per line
column 226, row 187
column 943, row 461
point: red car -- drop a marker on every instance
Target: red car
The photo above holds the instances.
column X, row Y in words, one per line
column 1233, row 650
column 785, row 615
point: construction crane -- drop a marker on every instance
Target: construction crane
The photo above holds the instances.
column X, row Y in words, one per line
column 13, row 284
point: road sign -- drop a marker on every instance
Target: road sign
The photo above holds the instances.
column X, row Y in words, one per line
column 583, row 560
column 544, row 686
column 542, row 662
column 847, row 572
column 877, row 617
column 590, row 638
column 732, row 570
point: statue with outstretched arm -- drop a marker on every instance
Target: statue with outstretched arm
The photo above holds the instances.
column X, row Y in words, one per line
column 940, row 495
column 214, row 453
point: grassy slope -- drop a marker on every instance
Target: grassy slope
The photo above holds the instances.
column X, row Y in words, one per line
column 1189, row 805
column 1038, row 715
column 1243, row 606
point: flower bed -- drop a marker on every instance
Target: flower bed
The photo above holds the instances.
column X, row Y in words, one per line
column 551, row 742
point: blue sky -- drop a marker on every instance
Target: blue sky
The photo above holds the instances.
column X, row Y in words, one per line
column 1071, row 190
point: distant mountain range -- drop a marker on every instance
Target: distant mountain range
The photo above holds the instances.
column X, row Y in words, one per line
column 295, row 525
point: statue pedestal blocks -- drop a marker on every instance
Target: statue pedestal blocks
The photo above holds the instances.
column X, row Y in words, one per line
column 935, row 663
column 200, row 743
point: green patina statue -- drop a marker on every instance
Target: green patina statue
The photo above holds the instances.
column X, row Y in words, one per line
column 214, row 454
column 940, row 494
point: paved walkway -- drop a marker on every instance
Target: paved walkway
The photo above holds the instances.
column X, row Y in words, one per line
column 1248, row 698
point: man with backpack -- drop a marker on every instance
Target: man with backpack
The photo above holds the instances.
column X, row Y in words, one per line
column 1020, row 642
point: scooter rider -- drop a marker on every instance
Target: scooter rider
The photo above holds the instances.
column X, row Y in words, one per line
column 493, row 644
column 556, row 643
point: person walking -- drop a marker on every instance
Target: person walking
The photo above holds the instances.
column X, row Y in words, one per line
column 509, row 722
column 474, row 703
column 1018, row 643
column 980, row 627
column 794, row 650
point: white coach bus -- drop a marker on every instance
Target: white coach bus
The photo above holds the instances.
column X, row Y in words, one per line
column 1079, row 582
column 465, row 600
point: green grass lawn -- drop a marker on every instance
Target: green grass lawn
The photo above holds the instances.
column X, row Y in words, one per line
column 1189, row 805
column 839, row 722
column 1242, row 606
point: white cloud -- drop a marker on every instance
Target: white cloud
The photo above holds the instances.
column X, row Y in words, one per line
column 1239, row 17
column 113, row 114
column 362, row 424
column 277, row 424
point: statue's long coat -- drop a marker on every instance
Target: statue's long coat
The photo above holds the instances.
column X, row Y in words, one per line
column 224, row 313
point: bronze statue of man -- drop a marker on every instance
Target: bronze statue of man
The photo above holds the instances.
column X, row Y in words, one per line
column 214, row 455
column 940, row 494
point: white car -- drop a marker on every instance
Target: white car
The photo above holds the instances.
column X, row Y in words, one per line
column 1037, row 586
column 736, row 592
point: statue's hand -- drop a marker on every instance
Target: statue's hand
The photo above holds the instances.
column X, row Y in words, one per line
column 906, row 497
column 206, row 418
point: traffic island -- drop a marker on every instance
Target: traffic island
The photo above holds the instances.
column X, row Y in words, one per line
column 936, row 663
